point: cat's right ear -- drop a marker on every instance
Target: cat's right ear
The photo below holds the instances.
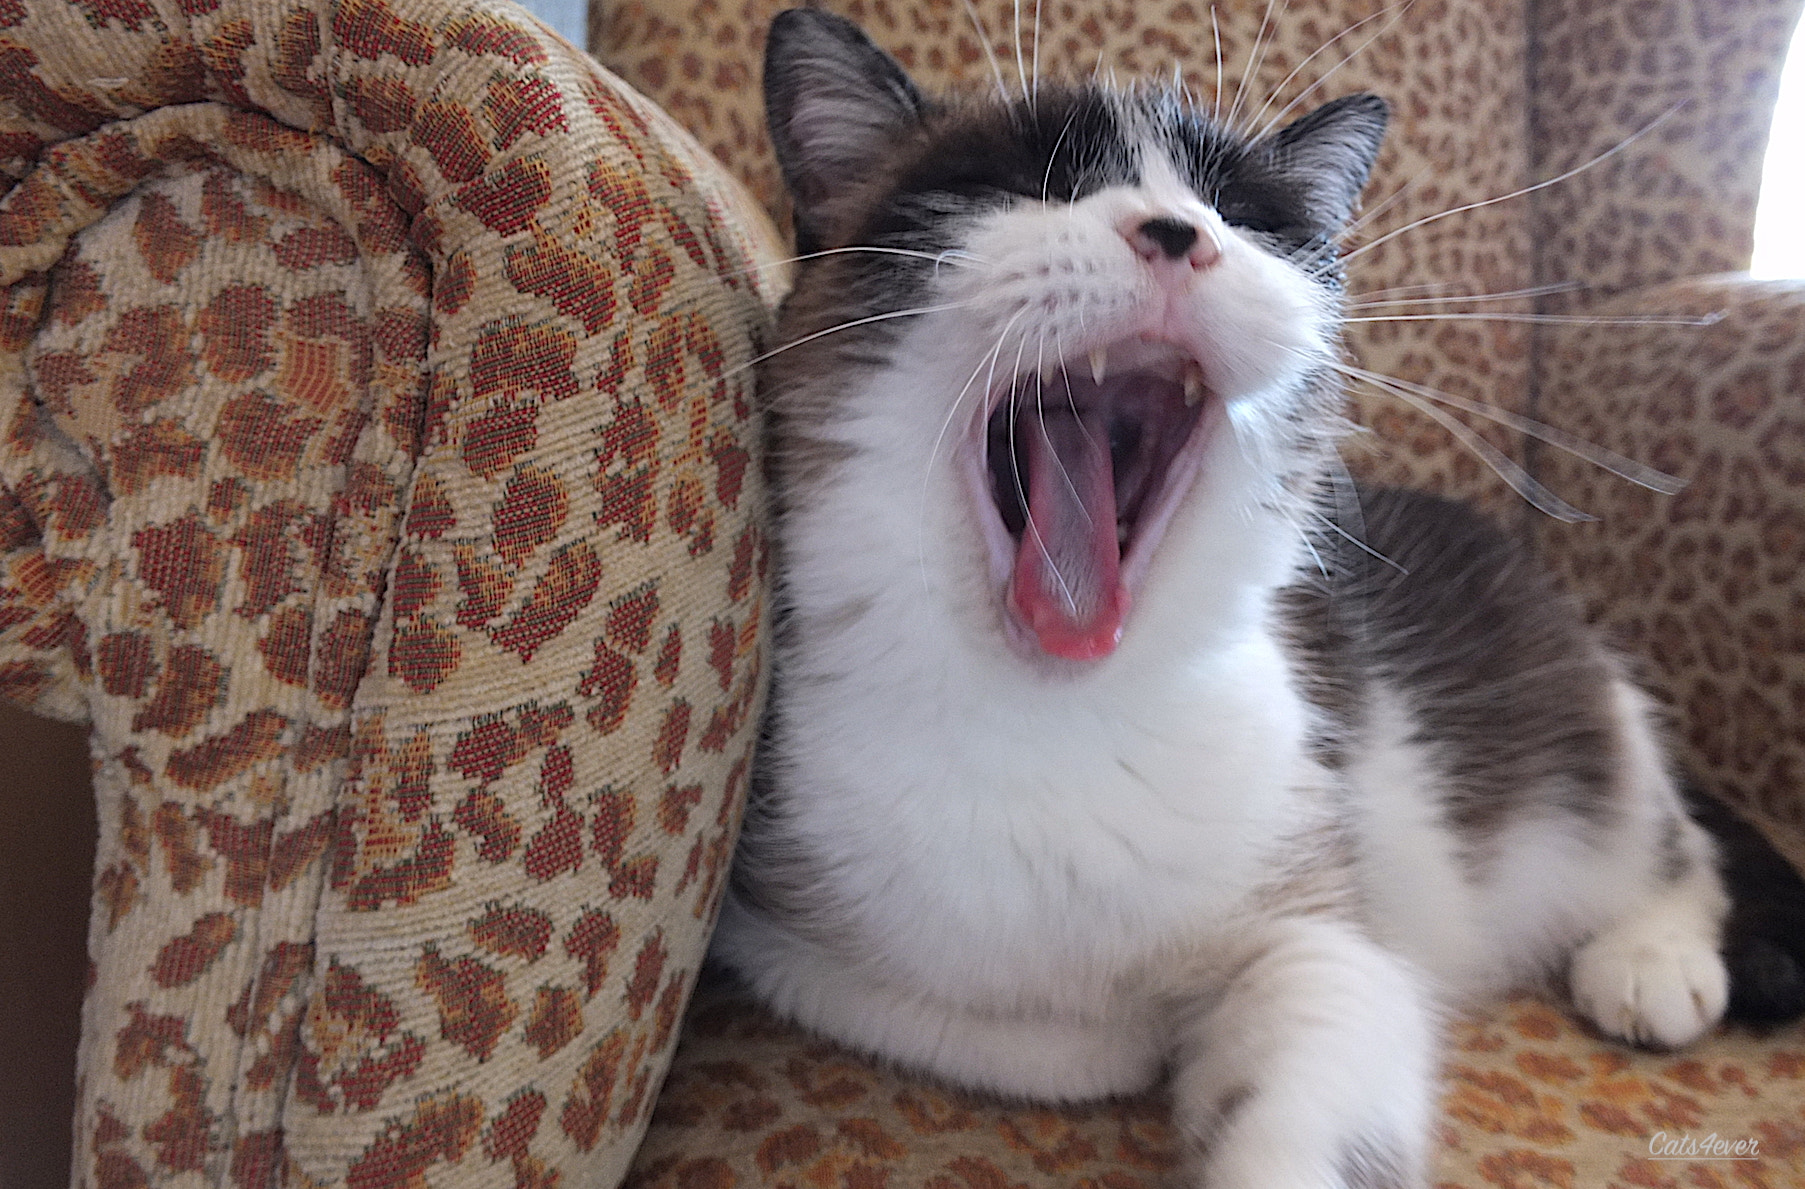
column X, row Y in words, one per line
column 834, row 103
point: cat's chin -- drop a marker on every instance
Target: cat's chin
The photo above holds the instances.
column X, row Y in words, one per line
column 1077, row 469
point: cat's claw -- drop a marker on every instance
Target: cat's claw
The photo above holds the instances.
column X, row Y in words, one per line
column 1661, row 990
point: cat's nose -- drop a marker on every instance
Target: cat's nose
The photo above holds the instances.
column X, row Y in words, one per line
column 1166, row 237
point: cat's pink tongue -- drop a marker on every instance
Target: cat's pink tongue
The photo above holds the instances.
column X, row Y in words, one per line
column 1067, row 587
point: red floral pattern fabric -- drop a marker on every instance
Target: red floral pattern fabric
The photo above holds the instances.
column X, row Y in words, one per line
column 378, row 480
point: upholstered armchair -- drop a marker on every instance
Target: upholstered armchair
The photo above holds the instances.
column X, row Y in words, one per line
column 379, row 488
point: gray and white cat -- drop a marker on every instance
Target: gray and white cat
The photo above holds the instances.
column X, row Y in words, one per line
column 1093, row 754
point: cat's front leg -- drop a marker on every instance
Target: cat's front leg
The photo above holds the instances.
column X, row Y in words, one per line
column 1313, row 1069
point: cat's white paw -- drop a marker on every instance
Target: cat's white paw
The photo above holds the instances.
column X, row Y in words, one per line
column 1650, row 985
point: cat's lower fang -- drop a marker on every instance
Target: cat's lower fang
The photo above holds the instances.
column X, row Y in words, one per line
column 1193, row 383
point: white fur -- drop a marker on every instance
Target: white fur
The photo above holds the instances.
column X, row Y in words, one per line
column 1646, row 967
column 1329, row 1036
column 1004, row 836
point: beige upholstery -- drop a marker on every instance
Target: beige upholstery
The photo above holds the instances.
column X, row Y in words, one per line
column 378, row 482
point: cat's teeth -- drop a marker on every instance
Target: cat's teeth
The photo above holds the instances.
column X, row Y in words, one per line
column 1193, row 381
column 1099, row 363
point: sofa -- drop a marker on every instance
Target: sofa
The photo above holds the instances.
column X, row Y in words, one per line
column 380, row 485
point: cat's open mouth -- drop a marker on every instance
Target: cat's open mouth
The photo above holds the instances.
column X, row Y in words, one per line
column 1085, row 462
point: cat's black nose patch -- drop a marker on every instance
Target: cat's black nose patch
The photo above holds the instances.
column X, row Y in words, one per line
column 1172, row 236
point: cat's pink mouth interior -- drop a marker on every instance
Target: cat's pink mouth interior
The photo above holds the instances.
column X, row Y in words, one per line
column 1084, row 465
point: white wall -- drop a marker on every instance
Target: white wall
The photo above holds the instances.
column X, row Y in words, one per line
column 1780, row 219
column 568, row 17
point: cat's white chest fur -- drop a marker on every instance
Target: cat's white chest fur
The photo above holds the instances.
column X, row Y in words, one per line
column 1007, row 846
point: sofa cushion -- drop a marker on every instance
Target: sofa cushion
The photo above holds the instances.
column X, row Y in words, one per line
column 1530, row 1101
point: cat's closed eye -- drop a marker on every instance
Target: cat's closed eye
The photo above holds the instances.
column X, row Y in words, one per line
column 1248, row 217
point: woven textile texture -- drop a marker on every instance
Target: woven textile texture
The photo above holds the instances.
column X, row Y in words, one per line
column 1704, row 587
column 1530, row 1101
column 377, row 480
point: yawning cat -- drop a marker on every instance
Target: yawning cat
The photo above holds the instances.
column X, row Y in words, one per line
column 1110, row 735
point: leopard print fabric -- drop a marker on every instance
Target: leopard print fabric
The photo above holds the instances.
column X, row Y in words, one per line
column 1703, row 586
column 1530, row 1101
column 378, row 482
column 1678, row 93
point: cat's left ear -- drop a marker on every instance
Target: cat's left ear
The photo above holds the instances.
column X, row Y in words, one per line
column 835, row 103
column 1330, row 153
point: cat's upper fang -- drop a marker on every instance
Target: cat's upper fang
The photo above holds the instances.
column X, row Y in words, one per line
column 1082, row 467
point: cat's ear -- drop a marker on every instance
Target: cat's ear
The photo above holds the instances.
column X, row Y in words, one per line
column 1330, row 153
column 835, row 103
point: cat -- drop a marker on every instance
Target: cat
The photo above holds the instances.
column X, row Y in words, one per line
column 1112, row 736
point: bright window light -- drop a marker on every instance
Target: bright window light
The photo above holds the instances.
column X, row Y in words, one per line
column 1780, row 217
column 569, row 17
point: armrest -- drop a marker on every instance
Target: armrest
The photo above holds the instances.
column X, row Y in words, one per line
column 417, row 599
column 1704, row 586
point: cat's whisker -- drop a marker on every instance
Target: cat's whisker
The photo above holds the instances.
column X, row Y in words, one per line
column 1216, row 99
column 1046, row 180
column 996, row 68
column 1255, row 57
column 1040, row 418
column 1036, row 74
column 950, row 256
column 1318, row 255
column 1608, row 460
column 1694, row 320
column 1257, row 430
column 1367, row 217
column 1426, row 288
column 1515, row 477
column 1071, row 400
column 1375, row 300
column 1615, row 149
column 1020, row 69
column 856, row 322
column 1348, row 511
column 987, row 360
column 1330, row 523
column 1028, row 525
column 1014, row 418
column 1303, row 535
column 1269, row 125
